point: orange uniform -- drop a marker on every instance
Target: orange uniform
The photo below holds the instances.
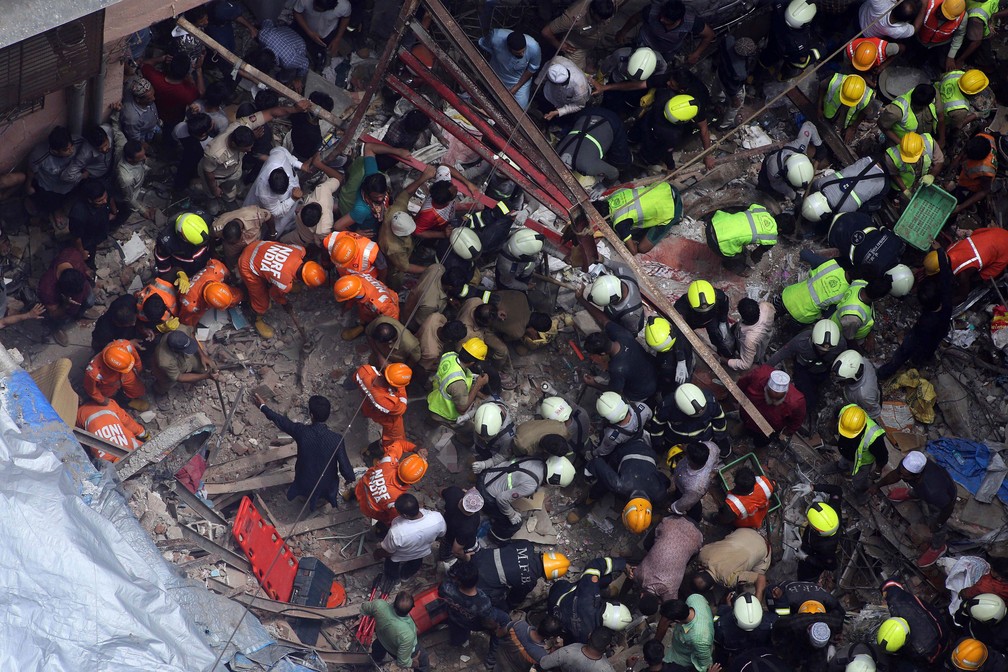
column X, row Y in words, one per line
column 750, row 510
column 880, row 44
column 111, row 423
column 986, row 250
column 935, row 28
column 102, row 383
column 269, row 270
column 378, row 300
column 364, row 258
column 382, row 403
column 978, row 175
column 397, row 449
column 378, row 489
column 166, row 291
column 193, row 305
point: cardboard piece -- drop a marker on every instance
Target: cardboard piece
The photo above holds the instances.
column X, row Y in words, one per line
column 133, row 249
column 896, row 416
column 538, row 529
column 906, row 441
column 533, row 503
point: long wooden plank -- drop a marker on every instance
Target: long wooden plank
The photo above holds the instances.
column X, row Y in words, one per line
column 284, row 477
column 216, row 472
column 319, row 522
column 227, row 555
column 286, row 608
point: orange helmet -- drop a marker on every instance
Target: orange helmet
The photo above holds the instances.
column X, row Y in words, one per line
column 411, row 469
column 118, row 357
column 398, row 374
column 342, row 248
column 312, row 274
column 865, row 55
column 218, row 295
column 348, row 287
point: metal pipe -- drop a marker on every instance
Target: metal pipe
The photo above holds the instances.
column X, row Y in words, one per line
column 75, row 98
column 97, row 113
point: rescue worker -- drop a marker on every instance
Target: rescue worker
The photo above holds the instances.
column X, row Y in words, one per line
column 740, row 626
column 208, row 289
column 915, row 630
column 788, row 171
column 704, row 307
column 158, row 307
column 978, row 166
column 785, row 599
column 596, row 145
column 391, row 342
column 919, row 110
column 802, row 638
column 674, row 357
column 269, row 271
column 629, row 367
column 859, row 657
column 456, row 387
column 740, row 559
column 510, row 573
column 371, row 297
column 980, row 617
column 518, row 259
column 179, row 358
column 690, row 415
column 580, row 605
column 625, row 421
column 944, row 20
column 351, row 251
column 863, row 184
column 861, row 443
column 501, row 485
column 972, row 655
column 116, row 367
column 380, row 486
column 812, row 352
column 642, row 216
column 182, row 250
column 985, row 250
column 494, row 433
column 817, row 552
column 385, row 398
column 979, row 14
column 110, row 422
column 749, row 500
column 913, row 163
column 792, row 46
column 871, row 55
column 843, row 100
column 867, row 250
column 855, row 314
column 575, row 419
column 956, row 89
column 617, row 294
column 630, row 472
column 750, row 233
column 859, row 380
column 628, row 74
column 678, row 110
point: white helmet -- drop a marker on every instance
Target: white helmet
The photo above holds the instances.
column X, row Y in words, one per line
column 902, row 280
column 799, row 171
column 815, row 207
column 605, row 290
column 849, row 365
column 986, row 608
column 465, row 243
column 862, row 662
column 559, row 471
column 825, row 334
column 748, row 612
column 690, row 399
column 555, row 408
column 616, row 616
column 799, row 14
column 403, row 224
column 642, row 64
column 488, row 420
column 612, row 407
column 525, row 243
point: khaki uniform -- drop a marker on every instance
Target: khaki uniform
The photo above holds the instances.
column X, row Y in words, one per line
column 169, row 365
column 397, row 249
column 407, row 347
column 427, row 297
column 323, row 194
column 530, row 433
column 225, row 162
column 498, row 348
column 431, row 347
column 253, row 219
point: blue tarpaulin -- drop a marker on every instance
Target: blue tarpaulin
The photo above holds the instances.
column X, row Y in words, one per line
column 966, row 461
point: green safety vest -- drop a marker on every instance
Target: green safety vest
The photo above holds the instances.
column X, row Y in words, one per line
column 863, row 456
column 653, row 205
column 909, row 121
column 734, row 231
column 982, row 11
column 851, row 304
column 449, row 370
column 951, row 95
column 832, row 104
column 825, row 286
column 908, row 171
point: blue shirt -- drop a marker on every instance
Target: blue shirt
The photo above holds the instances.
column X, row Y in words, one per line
column 361, row 213
column 507, row 67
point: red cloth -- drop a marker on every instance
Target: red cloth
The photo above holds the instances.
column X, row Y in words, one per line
column 986, row 584
column 785, row 417
column 47, row 292
column 170, row 99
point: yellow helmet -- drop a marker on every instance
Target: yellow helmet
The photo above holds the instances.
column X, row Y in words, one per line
column 192, row 228
column 555, row 565
column 911, row 147
column 852, row 421
column 476, row 347
column 852, row 90
column 892, row 634
column 681, row 108
column 931, row 263
column 700, row 295
column 953, row 9
column 659, row 334
column 865, row 55
column 811, row 607
column 823, row 518
column 973, row 82
column 673, row 454
column 637, row 515
column 970, row 654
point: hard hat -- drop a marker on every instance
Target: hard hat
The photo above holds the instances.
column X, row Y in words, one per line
column 973, row 82
column 852, row 421
column 815, row 207
column 931, row 263
column 680, row 108
column 348, row 287
column 525, row 243
column 902, row 280
column 398, row 374
column 690, row 399
column 218, row 295
column 852, row 90
column 799, row 14
column 606, row 289
column 559, row 471
column 849, row 365
column 811, row 607
column 748, row 612
column 555, row 565
column 673, row 454
column 823, row 518
column 911, row 147
column 403, row 224
column 555, row 408
column 825, row 334
column 637, row 515
column 342, row 247
column 865, row 55
column 192, row 228
column 611, row 406
column 411, row 468
column 488, row 420
column 642, row 64
column 616, row 616
column 118, row 358
column 892, row 634
column 969, row 654
column 312, row 274
column 659, row 334
column 986, row 608
column 465, row 243
column 476, row 347
column 862, row 662
column 799, row 170
column 953, row 9
column 700, row 295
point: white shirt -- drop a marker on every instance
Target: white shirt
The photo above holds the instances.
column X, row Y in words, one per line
column 571, row 96
column 411, row 539
column 280, row 205
column 873, row 9
column 322, row 23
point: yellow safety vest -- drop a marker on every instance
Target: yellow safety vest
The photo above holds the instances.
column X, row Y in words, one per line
column 908, row 171
column 832, row 104
column 734, row 231
column 653, row 205
column 871, row 432
column 851, row 304
column 825, row 286
column 449, row 371
column 909, row 122
column 982, row 11
column 952, row 96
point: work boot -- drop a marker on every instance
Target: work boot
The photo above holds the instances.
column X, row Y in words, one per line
column 60, row 336
column 139, row 405
column 265, row 330
column 350, row 333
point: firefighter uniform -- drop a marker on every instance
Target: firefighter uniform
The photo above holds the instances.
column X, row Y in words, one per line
column 102, row 383
column 632, row 428
column 631, row 468
column 714, row 321
column 503, row 484
column 501, row 444
column 579, row 605
column 172, row 254
column 751, row 509
column 383, row 403
column 671, row 426
column 929, row 633
column 164, row 289
column 111, row 423
column 821, row 551
column 378, row 489
column 793, row 594
column 365, row 260
column 510, row 573
column 627, row 312
column 852, row 187
column 731, row 640
column 378, row 299
column 192, row 305
column 985, row 250
column 268, row 270
column 865, row 248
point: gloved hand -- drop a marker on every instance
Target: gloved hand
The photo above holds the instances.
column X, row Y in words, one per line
column 907, row 193
column 143, row 437
column 182, row 282
column 478, row 466
column 801, row 554
column 171, row 324
column 681, row 373
column 802, row 489
column 515, row 518
column 927, row 180
column 464, row 418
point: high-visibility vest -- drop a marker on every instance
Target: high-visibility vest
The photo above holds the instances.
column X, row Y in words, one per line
column 378, row 489
column 936, row 29
column 378, row 299
column 386, row 400
column 653, row 205
column 364, row 257
column 734, row 231
column 274, row 263
column 449, row 371
column 973, row 174
column 952, row 96
column 193, row 306
column 105, row 422
column 851, row 304
column 825, row 286
column 982, row 11
column 832, row 104
column 908, row 171
column 910, row 122
column 166, row 291
column 871, row 432
column 983, row 248
column 880, row 44
column 750, row 510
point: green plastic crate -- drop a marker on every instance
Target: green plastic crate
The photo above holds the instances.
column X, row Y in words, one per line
column 924, row 217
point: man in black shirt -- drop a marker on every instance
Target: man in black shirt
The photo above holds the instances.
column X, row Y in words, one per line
column 117, row 322
column 631, row 368
column 678, row 110
column 306, row 131
column 461, row 514
column 93, row 217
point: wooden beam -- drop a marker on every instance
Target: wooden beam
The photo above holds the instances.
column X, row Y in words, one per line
column 284, row 477
column 286, row 608
column 319, row 522
column 215, row 473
